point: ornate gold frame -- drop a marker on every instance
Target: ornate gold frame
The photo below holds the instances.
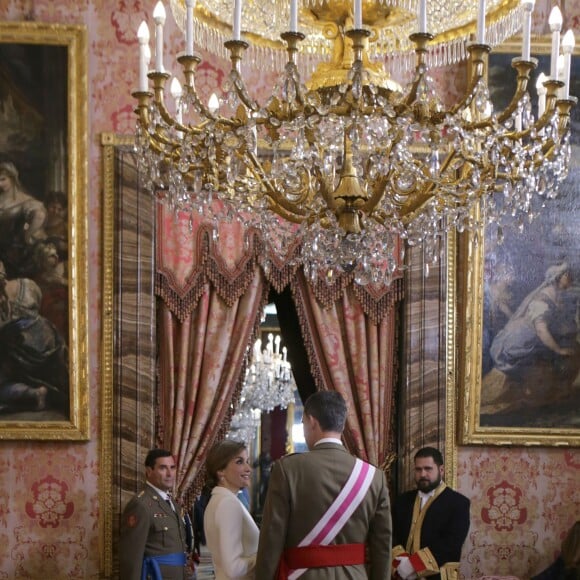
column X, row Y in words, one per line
column 470, row 278
column 74, row 38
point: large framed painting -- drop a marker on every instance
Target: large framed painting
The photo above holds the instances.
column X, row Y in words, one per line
column 43, row 245
column 519, row 349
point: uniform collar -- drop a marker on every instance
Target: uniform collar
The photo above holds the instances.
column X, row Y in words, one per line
column 328, row 440
column 160, row 492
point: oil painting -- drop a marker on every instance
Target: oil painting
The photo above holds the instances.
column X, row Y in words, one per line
column 43, row 275
column 521, row 352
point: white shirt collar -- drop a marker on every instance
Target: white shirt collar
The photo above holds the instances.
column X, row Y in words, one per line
column 328, row 440
column 162, row 493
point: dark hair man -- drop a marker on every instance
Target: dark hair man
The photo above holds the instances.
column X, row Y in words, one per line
column 325, row 509
column 153, row 531
column 430, row 523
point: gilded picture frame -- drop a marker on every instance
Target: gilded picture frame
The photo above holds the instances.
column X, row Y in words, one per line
column 514, row 283
column 44, row 385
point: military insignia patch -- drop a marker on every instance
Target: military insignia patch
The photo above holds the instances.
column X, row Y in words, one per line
column 131, row 521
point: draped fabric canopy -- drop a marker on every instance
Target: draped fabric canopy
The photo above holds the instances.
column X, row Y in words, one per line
column 212, row 291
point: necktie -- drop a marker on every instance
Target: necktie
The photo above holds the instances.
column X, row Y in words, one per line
column 168, row 500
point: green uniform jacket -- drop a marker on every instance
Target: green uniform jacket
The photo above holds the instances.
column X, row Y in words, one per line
column 302, row 487
column 149, row 527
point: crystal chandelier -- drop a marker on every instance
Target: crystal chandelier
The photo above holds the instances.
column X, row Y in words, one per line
column 347, row 162
column 269, row 383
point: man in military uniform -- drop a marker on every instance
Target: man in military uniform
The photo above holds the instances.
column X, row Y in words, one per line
column 430, row 523
column 153, row 529
column 326, row 513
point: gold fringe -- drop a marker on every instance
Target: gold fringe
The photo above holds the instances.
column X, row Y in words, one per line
column 377, row 301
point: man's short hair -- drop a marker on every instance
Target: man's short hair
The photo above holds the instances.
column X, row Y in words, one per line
column 430, row 452
column 328, row 408
column 154, row 454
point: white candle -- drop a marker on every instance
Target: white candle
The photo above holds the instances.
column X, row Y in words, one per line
column 422, row 16
column 143, row 36
column 293, row 15
column 237, row 20
column 159, row 17
column 357, row 14
column 189, row 27
column 555, row 22
column 528, row 7
column 541, row 93
column 568, row 43
column 480, row 38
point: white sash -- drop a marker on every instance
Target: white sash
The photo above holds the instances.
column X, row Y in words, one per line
column 349, row 498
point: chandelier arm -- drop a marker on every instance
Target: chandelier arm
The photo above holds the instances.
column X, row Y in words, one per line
column 524, row 68
column 198, row 104
column 564, row 107
column 237, row 48
column 279, row 203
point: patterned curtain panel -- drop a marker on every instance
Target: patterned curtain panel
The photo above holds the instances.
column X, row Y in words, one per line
column 201, row 362
column 355, row 355
column 213, row 293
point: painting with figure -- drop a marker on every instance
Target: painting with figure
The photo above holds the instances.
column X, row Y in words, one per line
column 40, row 141
column 531, row 287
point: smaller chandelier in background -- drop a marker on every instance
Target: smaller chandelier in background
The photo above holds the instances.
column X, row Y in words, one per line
column 346, row 162
column 269, row 383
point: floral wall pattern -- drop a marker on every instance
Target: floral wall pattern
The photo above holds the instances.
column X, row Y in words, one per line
column 523, row 500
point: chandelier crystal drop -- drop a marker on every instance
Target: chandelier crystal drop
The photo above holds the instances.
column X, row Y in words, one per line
column 269, row 383
column 347, row 162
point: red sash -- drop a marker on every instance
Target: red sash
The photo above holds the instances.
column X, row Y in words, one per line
column 320, row 557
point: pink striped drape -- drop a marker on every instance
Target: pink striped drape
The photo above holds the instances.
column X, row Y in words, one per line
column 355, row 356
column 201, row 362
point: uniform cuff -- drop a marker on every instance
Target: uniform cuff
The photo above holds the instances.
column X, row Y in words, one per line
column 424, row 563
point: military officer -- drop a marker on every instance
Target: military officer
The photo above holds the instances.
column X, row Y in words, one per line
column 153, row 537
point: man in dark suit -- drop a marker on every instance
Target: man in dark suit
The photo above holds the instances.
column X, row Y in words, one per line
column 326, row 513
column 430, row 523
column 153, row 530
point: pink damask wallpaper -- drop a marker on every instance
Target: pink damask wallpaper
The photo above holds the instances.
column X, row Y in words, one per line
column 523, row 500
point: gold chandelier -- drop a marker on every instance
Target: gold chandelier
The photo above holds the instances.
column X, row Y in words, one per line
column 348, row 163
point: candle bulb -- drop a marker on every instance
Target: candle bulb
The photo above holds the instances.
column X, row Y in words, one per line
column 480, row 38
column 189, row 27
column 143, row 37
column 541, row 93
column 568, row 43
column 237, row 28
column 555, row 22
column 528, row 7
column 159, row 17
column 422, row 16
column 176, row 92
column 357, row 14
column 293, row 15
column 213, row 105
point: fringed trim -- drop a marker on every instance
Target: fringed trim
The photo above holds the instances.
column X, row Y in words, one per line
column 327, row 294
column 180, row 305
column 280, row 271
column 376, row 301
column 300, row 302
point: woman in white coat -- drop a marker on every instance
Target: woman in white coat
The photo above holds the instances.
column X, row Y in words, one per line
column 230, row 531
